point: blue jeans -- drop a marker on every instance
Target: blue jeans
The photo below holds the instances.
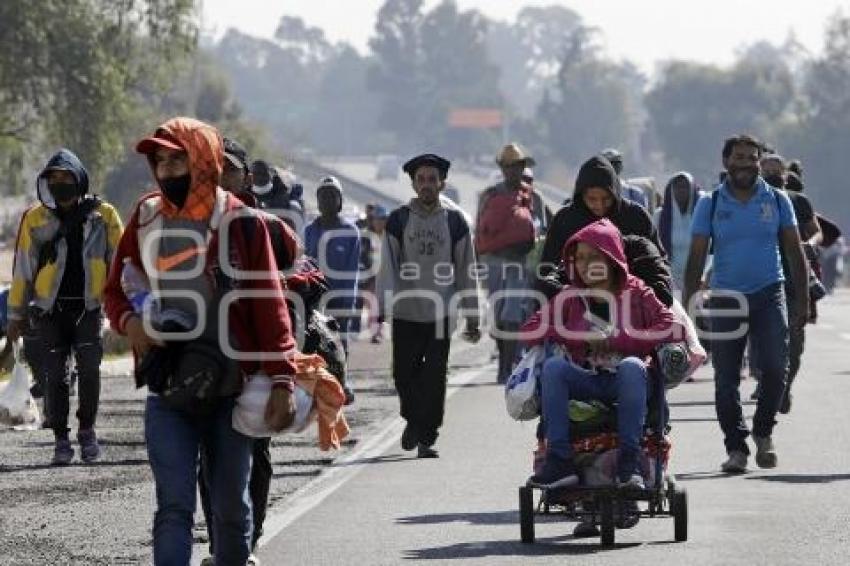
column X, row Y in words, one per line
column 563, row 380
column 174, row 440
column 768, row 330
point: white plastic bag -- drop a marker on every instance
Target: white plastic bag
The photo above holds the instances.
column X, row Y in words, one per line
column 521, row 398
column 250, row 410
column 696, row 353
column 17, row 406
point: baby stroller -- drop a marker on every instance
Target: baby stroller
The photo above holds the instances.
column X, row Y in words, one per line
column 596, row 500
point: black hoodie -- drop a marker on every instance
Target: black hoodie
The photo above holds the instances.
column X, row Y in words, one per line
column 628, row 217
column 71, row 227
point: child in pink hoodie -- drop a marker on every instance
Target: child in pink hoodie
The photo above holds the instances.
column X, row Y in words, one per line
column 609, row 321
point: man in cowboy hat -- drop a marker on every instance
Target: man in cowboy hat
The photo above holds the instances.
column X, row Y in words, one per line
column 504, row 235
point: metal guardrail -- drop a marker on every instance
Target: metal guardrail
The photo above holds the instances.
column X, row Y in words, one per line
column 355, row 191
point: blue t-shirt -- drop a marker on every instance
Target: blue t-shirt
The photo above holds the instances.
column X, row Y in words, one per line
column 340, row 258
column 746, row 237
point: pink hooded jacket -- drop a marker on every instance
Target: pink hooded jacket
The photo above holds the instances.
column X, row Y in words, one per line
column 640, row 322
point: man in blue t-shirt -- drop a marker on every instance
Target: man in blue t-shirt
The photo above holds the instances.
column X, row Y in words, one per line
column 748, row 221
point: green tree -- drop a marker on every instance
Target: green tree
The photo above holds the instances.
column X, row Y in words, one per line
column 528, row 53
column 694, row 107
column 427, row 64
column 819, row 136
column 588, row 108
column 77, row 72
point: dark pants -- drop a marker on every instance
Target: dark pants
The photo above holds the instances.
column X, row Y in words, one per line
column 768, row 326
column 69, row 327
column 420, row 362
column 258, row 488
column 174, row 441
column 796, row 343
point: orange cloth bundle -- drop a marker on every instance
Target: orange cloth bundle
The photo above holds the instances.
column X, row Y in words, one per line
column 328, row 398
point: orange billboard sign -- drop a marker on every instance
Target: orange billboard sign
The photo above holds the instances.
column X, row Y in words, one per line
column 475, row 118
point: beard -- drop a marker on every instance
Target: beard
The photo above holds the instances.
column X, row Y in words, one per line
column 743, row 177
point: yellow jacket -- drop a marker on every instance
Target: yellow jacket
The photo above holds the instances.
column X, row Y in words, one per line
column 39, row 284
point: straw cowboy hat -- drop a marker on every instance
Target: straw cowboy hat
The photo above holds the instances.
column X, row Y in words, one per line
column 513, row 153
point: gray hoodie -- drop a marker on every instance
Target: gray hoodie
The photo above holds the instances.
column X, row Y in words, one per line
column 425, row 277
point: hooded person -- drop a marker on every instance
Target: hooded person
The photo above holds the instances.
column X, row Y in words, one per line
column 596, row 195
column 674, row 221
column 175, row 238
column 63, row 249
column 335, row 244
column 626, row 322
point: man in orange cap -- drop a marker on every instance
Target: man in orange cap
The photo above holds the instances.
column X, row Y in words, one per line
column 177, row 229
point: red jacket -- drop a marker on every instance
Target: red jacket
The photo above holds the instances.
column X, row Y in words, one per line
column 640, row 321
column 259, row 325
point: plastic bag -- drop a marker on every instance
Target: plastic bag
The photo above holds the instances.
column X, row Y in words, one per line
column 17, row 406
column 521, row 397
column 250, row 410
column 696, row 354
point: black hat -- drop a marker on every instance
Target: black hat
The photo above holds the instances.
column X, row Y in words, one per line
column 428, row 159
column 236, row 154
column 596, row 172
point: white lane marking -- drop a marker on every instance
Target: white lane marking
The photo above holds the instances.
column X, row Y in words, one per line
column 845, row 335
column 332, row 478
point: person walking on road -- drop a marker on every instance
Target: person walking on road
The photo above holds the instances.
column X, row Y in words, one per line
column 427, row 273
column 504, row 237
column 181, row 418
column 335, row 244
column 597, row 195
column 776, row 174
column 630, row 192
column 63, row 251
column 673, row 221
column 749, row 224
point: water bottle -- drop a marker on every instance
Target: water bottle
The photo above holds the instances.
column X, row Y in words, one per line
column 135, row 285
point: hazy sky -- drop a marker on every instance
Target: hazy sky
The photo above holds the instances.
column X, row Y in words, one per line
column 645, row 31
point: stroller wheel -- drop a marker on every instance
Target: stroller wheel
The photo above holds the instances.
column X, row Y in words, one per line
column 679, row 509
column 606, row 521
column 526, row 514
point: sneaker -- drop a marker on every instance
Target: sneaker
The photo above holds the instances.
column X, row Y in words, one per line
column 634, row 482
column 209, row 561
column 377, row 339
column 425, row 451
column 736, row 463
column 765, row 452
column 89, row 448
column 409, row 438
column 63, row 453
column 555, row 473
column 252, row 560
column 785, row 406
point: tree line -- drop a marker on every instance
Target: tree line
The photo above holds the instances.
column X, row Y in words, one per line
column 94, row 74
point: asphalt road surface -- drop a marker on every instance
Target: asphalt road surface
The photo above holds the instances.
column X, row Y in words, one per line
column 382, row 506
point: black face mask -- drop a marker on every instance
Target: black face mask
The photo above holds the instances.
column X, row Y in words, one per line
column 775, row 181
column 176, row 189
column 63, row 192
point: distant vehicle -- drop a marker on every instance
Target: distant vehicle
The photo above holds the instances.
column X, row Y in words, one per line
column 387, row 167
